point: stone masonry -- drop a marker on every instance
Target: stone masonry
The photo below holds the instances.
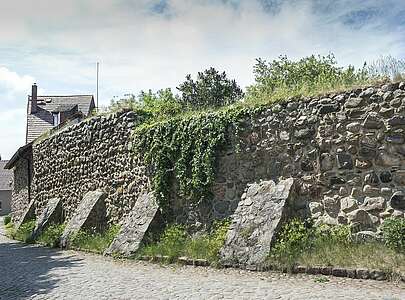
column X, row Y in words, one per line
column 21, row 188
column 94, row 154
column 347, row 149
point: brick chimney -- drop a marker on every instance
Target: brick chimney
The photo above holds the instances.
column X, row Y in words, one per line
column 34, row 94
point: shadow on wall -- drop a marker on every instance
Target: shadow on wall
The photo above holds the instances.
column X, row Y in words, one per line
column 26, row 270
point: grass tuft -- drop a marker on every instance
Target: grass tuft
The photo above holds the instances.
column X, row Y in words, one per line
column 94, row 242
column 175, row 242
column 23, row 233
column 51, row 235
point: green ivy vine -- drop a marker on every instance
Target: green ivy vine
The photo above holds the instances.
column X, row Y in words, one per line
column 186, row 148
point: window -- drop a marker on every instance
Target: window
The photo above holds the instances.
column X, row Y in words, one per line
column 56, row 119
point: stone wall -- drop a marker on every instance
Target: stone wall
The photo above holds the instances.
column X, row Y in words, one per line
column 21, row 186
column 347, row 150
column 93, row 154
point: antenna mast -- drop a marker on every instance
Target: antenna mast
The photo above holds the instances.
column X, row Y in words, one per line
column 97, row 84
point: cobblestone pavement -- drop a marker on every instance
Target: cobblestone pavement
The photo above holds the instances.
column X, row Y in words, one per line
column 32, row 272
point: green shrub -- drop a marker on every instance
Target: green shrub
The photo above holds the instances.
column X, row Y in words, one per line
column 10, row 230
column 283, row 78
column 154, row 106
column 334, row 234
column 51, row 235
column 298, row 237
column 292, row 240
column 394, row 233
column 207, row 246
column 7, row 219
column 93, row 241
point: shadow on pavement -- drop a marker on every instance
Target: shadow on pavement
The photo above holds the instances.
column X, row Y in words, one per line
column 26, row 270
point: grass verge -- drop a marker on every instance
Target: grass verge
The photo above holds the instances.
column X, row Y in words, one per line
column 369, row 255
column 301, row 244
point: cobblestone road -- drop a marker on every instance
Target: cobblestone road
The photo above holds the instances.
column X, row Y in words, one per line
column 32, row 272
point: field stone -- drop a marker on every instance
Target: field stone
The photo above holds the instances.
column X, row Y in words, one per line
column 397, row 200
column 144, row 215
column 316, row 209
column 360, row 220
column 372, row 121
column 354, row 102
column 366, row 236
column 348, row 204
column 372, row 204
column 332, row 206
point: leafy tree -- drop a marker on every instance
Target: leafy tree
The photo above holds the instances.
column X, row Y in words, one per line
column 310, row 72
column 211, row 89
column 163, row 102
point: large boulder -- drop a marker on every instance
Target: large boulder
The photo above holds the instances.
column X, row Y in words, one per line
column 256, row 221
column 144, row 215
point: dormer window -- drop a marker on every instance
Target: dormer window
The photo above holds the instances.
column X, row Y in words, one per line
column 56, row 118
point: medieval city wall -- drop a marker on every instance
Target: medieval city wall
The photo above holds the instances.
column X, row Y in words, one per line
column 347, row 150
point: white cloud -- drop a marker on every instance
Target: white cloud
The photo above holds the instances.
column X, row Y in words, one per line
column 59, row 42
column 14, row 89
column 13, row 86
column 12, row 131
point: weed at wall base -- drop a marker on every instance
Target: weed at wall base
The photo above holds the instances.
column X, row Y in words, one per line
column 23, row 233
column 7, row 220
column 175, row 242
column 51, row 235
column 94, row 242
column 299, row 244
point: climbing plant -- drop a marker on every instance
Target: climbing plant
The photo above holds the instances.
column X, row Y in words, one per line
column 187, row 148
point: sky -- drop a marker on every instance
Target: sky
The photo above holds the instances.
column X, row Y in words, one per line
column 153, row 44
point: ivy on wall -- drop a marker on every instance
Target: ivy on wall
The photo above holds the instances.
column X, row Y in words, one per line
column 186, row 148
